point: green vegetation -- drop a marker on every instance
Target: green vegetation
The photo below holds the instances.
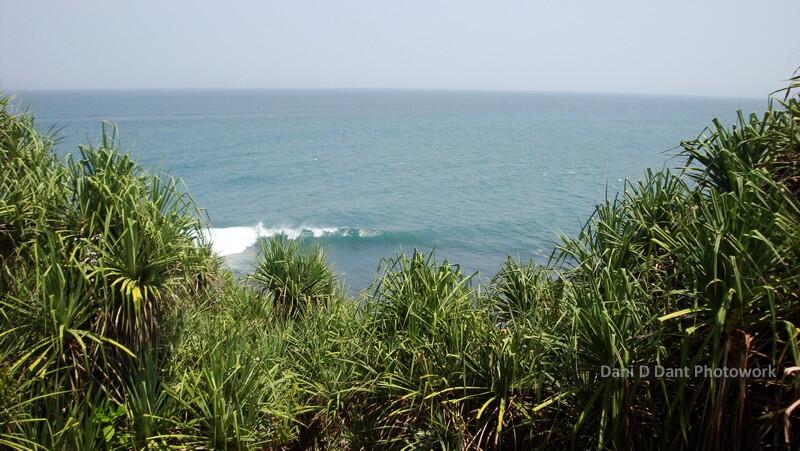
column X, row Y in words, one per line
column 120, row 330
column 297, row 280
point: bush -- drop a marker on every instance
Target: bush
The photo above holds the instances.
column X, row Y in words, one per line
column 94, row 255
column 297, row 278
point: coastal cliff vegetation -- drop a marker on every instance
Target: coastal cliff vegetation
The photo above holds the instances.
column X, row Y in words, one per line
column 119, row 329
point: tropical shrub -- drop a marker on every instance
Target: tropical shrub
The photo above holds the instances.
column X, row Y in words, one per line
column 297, row 278
column 94, row 255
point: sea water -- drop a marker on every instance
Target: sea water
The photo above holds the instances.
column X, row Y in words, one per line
column 477, row 176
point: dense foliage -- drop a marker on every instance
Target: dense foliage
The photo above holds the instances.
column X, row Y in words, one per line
column 121, row 330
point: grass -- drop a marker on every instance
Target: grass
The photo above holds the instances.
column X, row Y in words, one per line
column 120, row 330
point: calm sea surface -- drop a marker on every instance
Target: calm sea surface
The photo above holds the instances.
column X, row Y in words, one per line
column 476, row 175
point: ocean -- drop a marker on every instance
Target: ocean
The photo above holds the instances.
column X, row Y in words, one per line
column 475, row 176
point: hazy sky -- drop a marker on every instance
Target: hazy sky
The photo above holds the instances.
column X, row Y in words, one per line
column 667, row 46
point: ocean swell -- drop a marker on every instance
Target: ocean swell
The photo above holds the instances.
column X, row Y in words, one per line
column 235, row 240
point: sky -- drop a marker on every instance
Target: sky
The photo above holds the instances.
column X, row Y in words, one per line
column 709, row 47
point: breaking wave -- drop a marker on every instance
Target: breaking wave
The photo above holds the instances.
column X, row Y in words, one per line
column 235, row 240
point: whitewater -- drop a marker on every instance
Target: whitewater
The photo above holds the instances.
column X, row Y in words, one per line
column 228, row 241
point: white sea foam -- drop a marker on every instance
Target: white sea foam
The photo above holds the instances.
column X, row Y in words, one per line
column 368, row 233
column 235, row 240
column 231, row 240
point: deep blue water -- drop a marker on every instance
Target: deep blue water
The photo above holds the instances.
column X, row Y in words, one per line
column 475, row 175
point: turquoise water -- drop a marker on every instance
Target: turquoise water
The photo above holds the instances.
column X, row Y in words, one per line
column 475, row 175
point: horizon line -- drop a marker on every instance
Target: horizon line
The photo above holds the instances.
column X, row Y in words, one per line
column 454, row 90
